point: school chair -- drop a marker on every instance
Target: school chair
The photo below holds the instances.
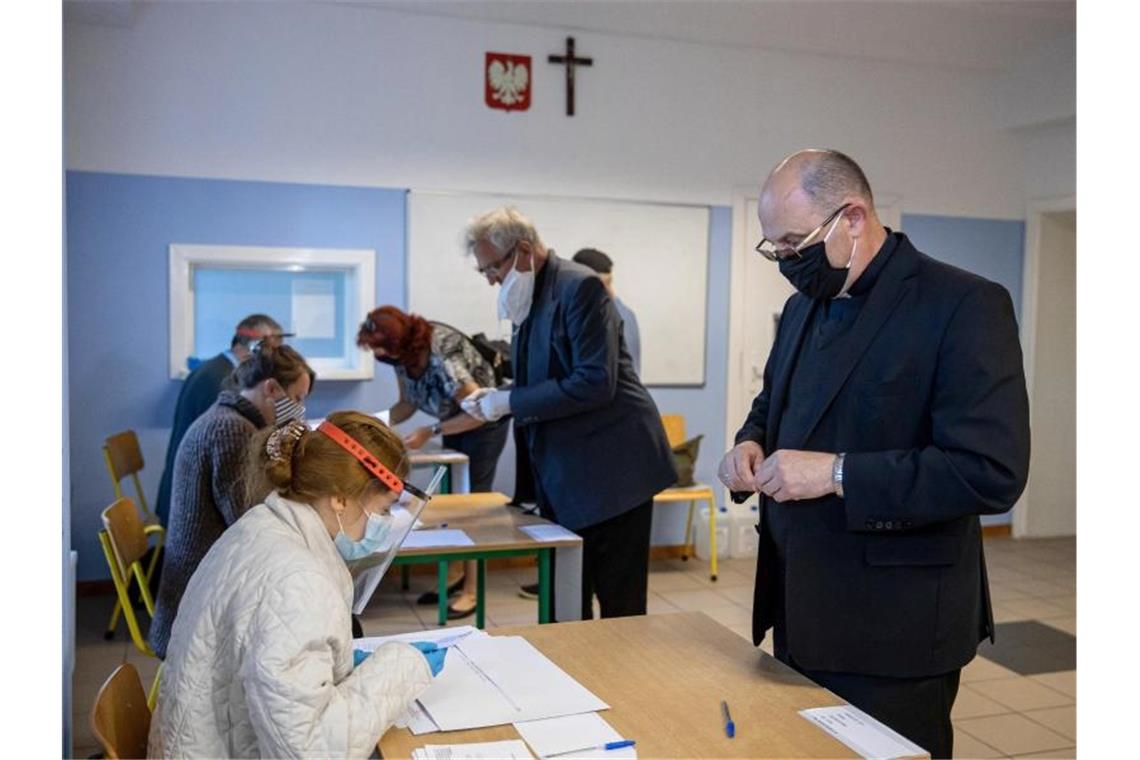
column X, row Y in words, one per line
column 124, row 457
column 124, row 542
column 698, row 492
column 120, row 717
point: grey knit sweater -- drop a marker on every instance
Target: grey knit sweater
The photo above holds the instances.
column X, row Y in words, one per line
column 208, row 494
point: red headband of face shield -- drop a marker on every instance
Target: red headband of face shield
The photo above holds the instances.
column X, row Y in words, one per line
column 371, row 463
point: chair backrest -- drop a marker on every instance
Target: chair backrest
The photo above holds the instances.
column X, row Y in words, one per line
column 124, row 457
column 128, row 537
column 120, row 718
column 674, row 428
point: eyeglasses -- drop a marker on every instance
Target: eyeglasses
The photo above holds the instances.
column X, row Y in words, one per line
column 493, row 267
column 774, row 251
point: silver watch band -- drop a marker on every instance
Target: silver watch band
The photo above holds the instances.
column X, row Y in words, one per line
column 837, row 474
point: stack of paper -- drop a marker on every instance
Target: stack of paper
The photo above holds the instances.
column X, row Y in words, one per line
column 494, row 680
column 423, row 539
column 862, row 733
column 562, row 736
column 549, row 533
column 507, row 750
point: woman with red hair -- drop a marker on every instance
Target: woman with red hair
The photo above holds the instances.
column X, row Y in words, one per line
column 437, row 367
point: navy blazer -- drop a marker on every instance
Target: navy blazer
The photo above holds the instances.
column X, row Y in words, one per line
column 927, row 398
column 595, row 436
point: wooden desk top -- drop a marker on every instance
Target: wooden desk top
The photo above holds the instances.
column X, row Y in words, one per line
column 486, row 519
column 420, row 457
column 664, row 677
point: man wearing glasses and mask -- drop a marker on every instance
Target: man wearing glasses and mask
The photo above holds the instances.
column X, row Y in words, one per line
column 893, row 414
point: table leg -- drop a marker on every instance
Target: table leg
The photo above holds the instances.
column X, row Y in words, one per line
column 441, row 587
column 544, row 585
column 480, row 592
column 405, row 577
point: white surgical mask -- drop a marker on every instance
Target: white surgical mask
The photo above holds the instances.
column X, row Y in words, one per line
column 516, row 294
column 375, row 531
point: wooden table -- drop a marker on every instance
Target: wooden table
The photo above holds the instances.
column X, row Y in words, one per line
column 664, row 677
column 494, row 529
column 458, row 477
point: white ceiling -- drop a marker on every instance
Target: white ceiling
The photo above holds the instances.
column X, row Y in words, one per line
column 985, row 35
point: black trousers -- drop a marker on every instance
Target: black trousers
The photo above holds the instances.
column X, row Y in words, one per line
column 483, row 445
column 615, row 563
column 917, row 708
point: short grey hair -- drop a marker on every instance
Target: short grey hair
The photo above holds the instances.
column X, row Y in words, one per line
column 828, row 176
column 503, row 228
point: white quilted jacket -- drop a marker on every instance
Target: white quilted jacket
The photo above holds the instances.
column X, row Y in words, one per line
column 260, row 656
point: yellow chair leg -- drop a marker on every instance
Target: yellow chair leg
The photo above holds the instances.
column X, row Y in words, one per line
column 152, row 695
column 114, row 623
column 712, row 538
column 688, row 532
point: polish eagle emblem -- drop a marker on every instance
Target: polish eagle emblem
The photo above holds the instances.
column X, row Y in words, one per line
column 507, row 81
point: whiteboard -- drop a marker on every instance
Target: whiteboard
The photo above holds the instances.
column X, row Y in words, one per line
column 660, row 253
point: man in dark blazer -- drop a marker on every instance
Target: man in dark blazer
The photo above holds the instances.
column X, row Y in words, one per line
column 597, row 446
column 893, row 414
column 200, row 390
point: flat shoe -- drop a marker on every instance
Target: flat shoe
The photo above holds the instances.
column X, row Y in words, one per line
column 431, row 597
column 454, row 614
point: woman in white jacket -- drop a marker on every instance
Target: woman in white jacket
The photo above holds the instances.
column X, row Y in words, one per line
column 260, row 660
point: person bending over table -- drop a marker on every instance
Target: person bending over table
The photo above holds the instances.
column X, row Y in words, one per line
column 261, row 660
column 209, row 491
column 437, row 367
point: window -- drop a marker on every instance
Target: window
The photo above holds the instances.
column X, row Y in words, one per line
column 321, row 294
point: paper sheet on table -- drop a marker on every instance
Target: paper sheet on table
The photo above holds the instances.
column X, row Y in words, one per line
column 426, row 539
column 494, row 680
column 553, row 735
column 443, row 637
column 549, row 533
column 862, row 733
column 505, row 750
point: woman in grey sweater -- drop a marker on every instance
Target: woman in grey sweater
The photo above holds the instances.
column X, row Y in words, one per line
column 209, row 491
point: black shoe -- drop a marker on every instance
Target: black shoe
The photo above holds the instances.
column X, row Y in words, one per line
column 529, row 591
column 431, row 597
column 454, row 614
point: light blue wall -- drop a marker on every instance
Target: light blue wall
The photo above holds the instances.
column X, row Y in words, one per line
column 993, row 248
column 119, row 228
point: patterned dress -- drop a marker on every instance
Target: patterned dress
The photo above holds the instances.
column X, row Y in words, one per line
column 453, row 362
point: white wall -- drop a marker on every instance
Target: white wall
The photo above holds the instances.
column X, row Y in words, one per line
column 356, row 95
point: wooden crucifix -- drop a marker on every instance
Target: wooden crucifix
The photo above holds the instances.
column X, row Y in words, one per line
column 570, row 62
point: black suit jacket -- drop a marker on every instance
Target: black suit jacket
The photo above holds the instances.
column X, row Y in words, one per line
column 594, row 435
column 199, row 392
column 927, row 398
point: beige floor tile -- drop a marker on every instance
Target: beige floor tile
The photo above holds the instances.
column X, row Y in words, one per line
column 1001, row 592
column 673, row 581
column 1021, row 693
column 741, row 595
column 1067, row 603
column 655, row 604
column 1004, row 614
column 972, row 704
column 1013, row 734
column 1056, row 754
column 695, row 601
column 1063, row 720
column 1064, row 682
column 1037, row 587
column 765, row 645
column 1033, row 609
column 981, row 669
column 969, row 748
column 743, row 631
column 1066, row 624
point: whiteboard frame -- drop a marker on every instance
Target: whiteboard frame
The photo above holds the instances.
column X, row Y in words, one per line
column 185, row 257
column 504, row 196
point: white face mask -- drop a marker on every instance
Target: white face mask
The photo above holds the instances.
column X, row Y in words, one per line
column 516, row 294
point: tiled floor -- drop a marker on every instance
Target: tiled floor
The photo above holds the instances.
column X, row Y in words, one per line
column 999, row 712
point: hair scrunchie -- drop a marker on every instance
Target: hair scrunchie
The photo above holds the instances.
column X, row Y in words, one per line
column 281, row 442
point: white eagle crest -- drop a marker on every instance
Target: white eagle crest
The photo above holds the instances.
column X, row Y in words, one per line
column 508, row 82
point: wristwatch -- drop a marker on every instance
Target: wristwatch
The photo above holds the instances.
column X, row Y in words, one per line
column 837, row 474
column 437, row 429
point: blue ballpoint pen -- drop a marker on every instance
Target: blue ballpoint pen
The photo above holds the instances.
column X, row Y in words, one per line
column 729, row 726
column 606, row 746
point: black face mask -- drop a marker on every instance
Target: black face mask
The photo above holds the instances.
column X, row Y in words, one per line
column 389, row 360
column 812, row 274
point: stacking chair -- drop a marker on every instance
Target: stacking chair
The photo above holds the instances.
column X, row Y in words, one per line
column 124, row 458
column 675, row 432
column 124, row 541
column 120, row 717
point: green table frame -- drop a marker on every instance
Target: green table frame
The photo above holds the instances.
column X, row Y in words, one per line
column 443, row 555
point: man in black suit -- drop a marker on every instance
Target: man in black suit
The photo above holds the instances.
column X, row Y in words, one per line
column 201, row 388
column 893, row 414
column 597, row 446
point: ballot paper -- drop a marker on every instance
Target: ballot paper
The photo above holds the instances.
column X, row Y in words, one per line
column 494, row 680
column 505, row 750
column 862, row 733
column 442, row 637
column 570, row 732
column 425, row 539
column 549, row 533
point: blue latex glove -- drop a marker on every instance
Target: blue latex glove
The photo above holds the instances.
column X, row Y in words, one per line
column 359, row 656
column 433, row 654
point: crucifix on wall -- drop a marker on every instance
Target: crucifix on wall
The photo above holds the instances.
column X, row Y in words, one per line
column 570, row 62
